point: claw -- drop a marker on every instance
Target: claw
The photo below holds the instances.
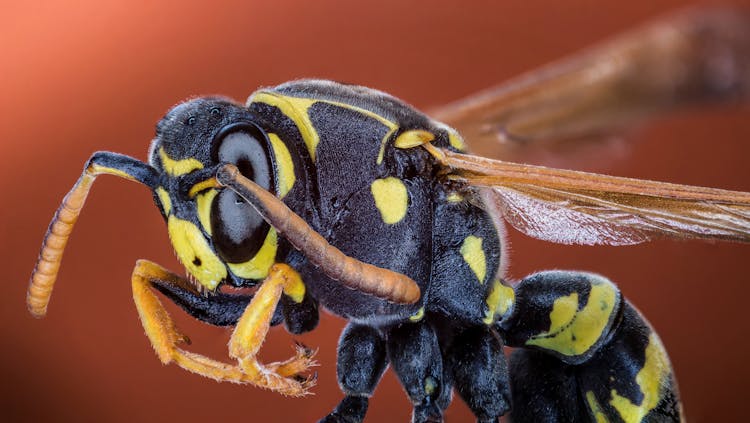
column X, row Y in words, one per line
column 181, row 338
column 296, row 365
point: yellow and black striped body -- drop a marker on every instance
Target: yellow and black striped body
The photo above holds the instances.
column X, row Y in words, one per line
column 350, row 162
column 577, row 338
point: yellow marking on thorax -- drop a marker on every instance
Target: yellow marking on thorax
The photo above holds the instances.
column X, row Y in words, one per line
column 194, row 253
column 166, row 202
column 284, row 165
column 407, row 139
column 258, row 266
column 456, row 141
column 650, row 379
column 430, row 385
column 98, row 169
column 573, row 332
column 499, row 301
column 296, row 109
column 595, row 408
column 413, row 138
column 418, row 315
column 391, row 199
column 383, row 142
column 178, row 167
column 203, row 204
column 295, row 288
column 392, row 126
column 454, row 197
column 474, row 256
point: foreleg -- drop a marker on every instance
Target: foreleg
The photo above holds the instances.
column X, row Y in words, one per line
column 246, row 339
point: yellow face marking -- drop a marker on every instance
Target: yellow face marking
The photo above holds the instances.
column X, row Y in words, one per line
column 474, row 256
column 284, row 165
column 194, row 253
column 595, row 408
column 413, row 138
column 178, row 167
column 97, row 170
column 295, row 109
column 295, row 288
column 203, row 204
column 456, row 141
column 418, row 315
column 391, row 199
column 499, row 301
column 258, row 266
column 573, row 332
column 650, row 380
column 202, row 186
column 166, row 202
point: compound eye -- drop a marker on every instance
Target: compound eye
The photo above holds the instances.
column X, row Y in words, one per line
column 238, row 231
column 245, row 151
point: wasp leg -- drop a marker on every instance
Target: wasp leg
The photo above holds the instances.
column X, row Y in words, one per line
column 299, row 316
column 603, row 360
column 360, row 364
column 480, row 372
column 218, row 310
column 226, row 309
column 416, row 358
column 246, row 339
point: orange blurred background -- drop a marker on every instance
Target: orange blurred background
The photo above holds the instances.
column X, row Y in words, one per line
column 97, row 75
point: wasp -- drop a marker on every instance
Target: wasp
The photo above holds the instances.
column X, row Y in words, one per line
column 322, row 194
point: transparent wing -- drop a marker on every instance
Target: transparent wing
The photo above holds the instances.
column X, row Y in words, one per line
column 571, row 207
column 701, row 56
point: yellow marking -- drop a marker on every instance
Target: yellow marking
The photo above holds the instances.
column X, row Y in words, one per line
column 430, row 385
column 454, row 197
column 650, row 379
column 297, row 109
column 381, row 152
column 295, row 288
column 474, row 256
column 202, row 186
column 178, row 167
column 499, row 301
column 413, row 138
column 284, row 165
column 194, row 253
column 203, row 204
column 166, row 202
column 257, row 267
column 456, row 141
column 391, row 198
column 595, row 408
column 573, row 332
column 98, row 169
column 418, row 315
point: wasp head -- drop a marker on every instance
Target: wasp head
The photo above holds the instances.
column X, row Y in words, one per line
column 216, row 234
